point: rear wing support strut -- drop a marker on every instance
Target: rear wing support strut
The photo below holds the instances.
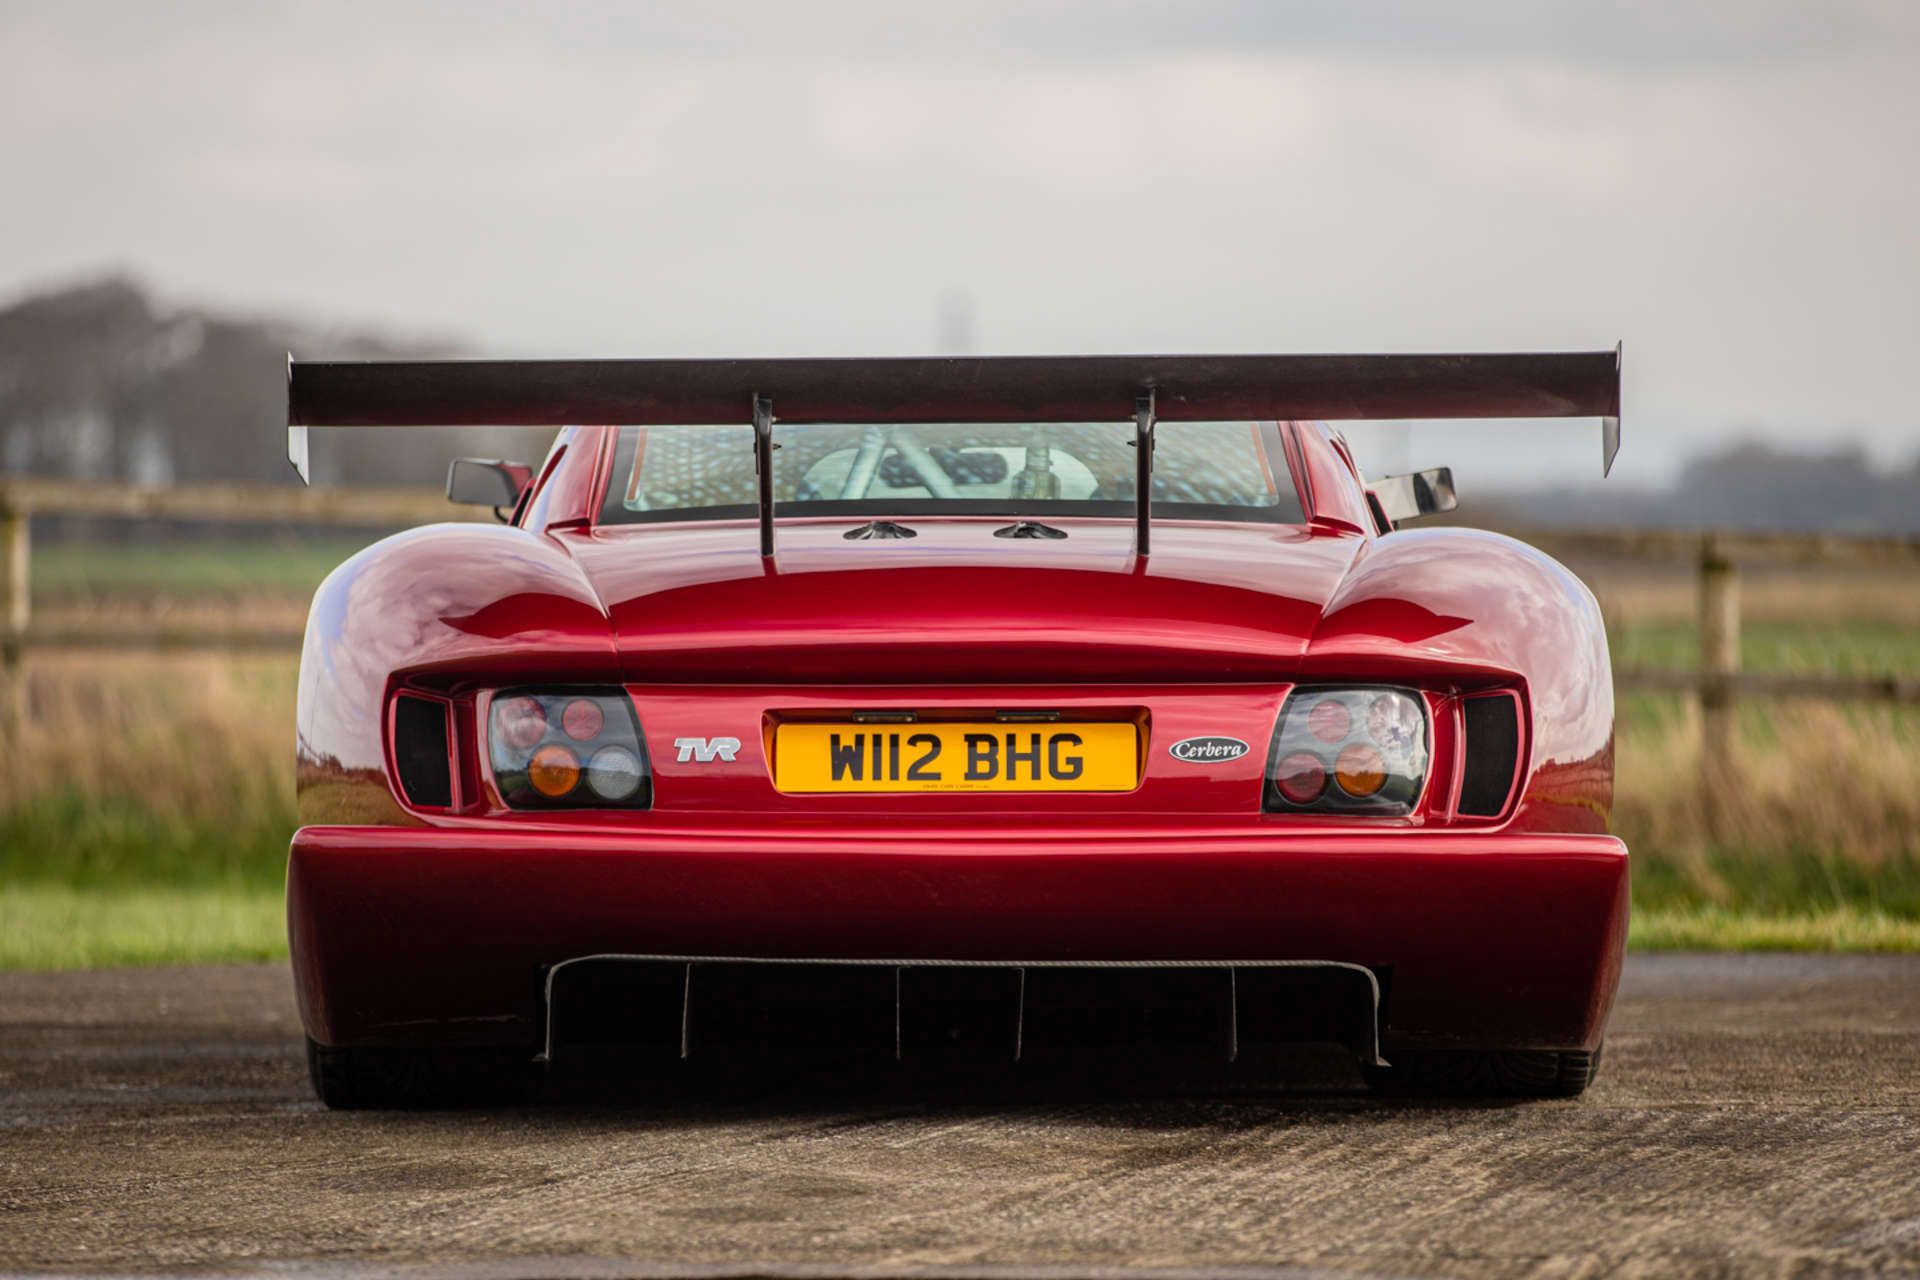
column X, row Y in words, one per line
column 763, row 470
column 1142, row 468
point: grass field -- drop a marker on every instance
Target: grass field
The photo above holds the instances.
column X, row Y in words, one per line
column 289, row 568
column 55, row 926
column 146, row 800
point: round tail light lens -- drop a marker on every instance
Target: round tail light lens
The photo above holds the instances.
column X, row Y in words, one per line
column 1395, row 722
column 1301, row 778
column 582, row 720
column 554, row 770
column 1329, row 721
column 521, row 722
column 1360, row 771
column 613, row 773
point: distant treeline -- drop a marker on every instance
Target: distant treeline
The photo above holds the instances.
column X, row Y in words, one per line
column 98, row 382
column 1744, row 486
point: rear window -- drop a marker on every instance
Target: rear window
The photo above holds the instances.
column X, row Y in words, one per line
column 1201, row 471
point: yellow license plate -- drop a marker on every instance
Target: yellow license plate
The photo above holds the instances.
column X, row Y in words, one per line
column 956, row 757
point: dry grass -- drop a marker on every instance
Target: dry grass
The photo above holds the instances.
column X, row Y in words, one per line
column 146, row 800
column 1808, row 774
column 174, row 728
column 1820, row 810
column 119, row 769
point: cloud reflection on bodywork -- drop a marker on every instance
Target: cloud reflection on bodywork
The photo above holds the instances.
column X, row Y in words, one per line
column 438, row 605
column 1522, row 616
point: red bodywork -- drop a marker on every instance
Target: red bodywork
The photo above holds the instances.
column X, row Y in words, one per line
column 431, row 926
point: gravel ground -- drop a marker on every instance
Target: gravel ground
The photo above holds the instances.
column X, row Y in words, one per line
column 1757, row 1114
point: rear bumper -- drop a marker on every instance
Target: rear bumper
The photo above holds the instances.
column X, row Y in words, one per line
column 439, row 935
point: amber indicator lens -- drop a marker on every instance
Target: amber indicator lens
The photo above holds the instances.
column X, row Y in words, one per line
column 554, row 770
column 1360, row 771
column 1358, row 751
column 568, row 749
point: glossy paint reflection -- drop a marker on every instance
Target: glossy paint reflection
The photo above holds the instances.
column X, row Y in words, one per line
column 1523, row 619
column 435, row 607
column 1214, row 602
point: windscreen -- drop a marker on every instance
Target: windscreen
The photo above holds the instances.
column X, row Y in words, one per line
column 1201, row 471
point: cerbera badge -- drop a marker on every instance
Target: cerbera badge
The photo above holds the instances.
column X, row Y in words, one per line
column 1208, row 750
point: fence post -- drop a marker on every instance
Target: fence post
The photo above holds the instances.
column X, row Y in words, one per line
column 1719, row 661
column 16, row 589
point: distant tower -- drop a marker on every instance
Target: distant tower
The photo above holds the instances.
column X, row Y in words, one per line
column 953, row 323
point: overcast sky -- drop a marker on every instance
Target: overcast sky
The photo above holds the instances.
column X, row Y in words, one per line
column 1731, row 186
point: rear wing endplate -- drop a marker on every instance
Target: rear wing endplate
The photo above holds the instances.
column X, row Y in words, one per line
column 1145, row 389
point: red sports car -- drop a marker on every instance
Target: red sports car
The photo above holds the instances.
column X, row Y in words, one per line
column 1016, row 710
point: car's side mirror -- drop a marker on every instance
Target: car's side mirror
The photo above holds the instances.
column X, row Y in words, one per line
column 1421, row 494
column 487, row 482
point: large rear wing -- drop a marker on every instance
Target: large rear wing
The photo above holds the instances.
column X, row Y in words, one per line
column 1145, row 389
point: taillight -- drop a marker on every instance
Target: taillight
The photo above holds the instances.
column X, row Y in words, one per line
column 1358, row 750
column 568, row 749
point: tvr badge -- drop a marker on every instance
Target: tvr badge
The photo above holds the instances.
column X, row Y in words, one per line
column 706, row 750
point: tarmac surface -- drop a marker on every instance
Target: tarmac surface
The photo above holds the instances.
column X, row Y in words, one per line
column 1755, row 1115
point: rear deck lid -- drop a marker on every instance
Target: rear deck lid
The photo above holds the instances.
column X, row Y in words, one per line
column 1215, row 602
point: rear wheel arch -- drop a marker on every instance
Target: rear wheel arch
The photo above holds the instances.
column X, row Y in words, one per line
column 1464, row 605
column 436, row 606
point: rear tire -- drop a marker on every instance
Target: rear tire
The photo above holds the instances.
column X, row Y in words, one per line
column 387, row 1078
column 1500, row 1073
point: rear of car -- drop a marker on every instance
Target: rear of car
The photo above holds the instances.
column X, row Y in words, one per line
column 957, row 772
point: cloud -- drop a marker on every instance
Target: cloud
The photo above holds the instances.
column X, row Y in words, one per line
column 1726, row 184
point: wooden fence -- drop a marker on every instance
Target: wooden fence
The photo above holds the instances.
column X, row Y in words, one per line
column 1718, row 680
column 22, row 499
